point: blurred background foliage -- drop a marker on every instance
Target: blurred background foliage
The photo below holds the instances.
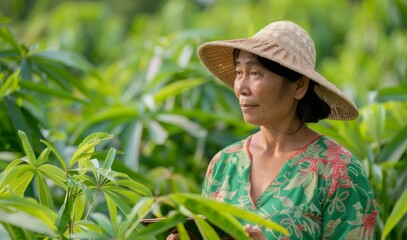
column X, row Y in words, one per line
column 130, row 68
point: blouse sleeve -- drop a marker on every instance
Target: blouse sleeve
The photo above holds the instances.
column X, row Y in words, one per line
column 206, row 185
column 349, row 211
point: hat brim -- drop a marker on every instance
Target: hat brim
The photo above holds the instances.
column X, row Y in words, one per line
column 217, row 56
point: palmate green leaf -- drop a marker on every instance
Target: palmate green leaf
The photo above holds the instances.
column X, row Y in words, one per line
column 13, row 164
column 44, row 193
column 198, row 204
column 78, row 207
column 86, row 148
column 111, row 207
column 123, row 193
column 19, row 212
column 166, row 224
column 105, row 224
column 135, row 186
column 55, row 151
column 105, row 175
column 17, row 178
column 62, row 219
column 218, row 217
column 138, row 212
column 399, row 210
column 177, row 87
column 57, row 175
column 43, row 156
column 120, row 203
column 397, row 146
column 86, row 226
column 27, row 148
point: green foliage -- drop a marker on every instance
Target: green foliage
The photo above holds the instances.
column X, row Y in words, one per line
column 82, row 179
column 69, row 69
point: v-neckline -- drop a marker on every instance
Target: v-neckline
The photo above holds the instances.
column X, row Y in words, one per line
column 279, row 174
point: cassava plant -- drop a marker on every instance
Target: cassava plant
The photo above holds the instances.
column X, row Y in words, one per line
column 100, row 203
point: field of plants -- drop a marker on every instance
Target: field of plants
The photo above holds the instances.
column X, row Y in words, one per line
column 107, row 115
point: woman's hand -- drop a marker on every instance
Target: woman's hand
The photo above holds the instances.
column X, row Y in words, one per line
column 173, row 236
column 255, row 232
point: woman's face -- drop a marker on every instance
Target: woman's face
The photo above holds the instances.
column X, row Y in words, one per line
column 265, row 98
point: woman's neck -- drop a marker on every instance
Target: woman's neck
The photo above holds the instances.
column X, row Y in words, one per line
column 274, row 140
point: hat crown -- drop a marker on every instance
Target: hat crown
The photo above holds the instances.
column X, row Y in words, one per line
column 292, row 38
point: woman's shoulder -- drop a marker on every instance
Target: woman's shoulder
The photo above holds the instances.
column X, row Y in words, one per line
column 331, row 147
column 335, row 157
column 233, row 150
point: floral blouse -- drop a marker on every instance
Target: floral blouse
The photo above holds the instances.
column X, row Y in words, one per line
column 321, row 192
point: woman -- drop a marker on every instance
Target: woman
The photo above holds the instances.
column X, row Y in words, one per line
column 287, row 172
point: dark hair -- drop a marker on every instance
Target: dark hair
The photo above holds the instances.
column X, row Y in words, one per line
column 311, row 108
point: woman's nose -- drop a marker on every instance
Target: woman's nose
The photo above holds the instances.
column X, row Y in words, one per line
column 241, row 86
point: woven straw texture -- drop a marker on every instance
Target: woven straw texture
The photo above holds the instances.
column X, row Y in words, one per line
column 287, row 44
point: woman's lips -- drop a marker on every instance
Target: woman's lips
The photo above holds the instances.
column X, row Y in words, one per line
column 247, row 107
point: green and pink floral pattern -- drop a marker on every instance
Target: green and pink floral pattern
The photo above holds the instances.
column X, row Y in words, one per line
column 321, row 192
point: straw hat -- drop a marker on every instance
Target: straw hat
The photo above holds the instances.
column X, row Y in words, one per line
column 288, row 44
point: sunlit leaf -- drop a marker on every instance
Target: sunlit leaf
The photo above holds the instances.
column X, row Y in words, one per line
column 111, row 207
column 86, row 148
column 120, row 203
column 17, row 178
column 138, row 212
column 43, row 156
column 57, row 154
column 19, row 211
column 55, row 174
column 399, row 210
column 27, row 148
column 79, row 207
column 161, row 226
column 206, row 230
column 211, row 208
column 107, row 164
column 44, row 193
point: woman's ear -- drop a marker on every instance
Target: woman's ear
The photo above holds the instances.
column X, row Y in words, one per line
column 302, row 87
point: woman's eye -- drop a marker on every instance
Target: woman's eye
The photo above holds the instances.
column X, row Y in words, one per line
column 254, row 73
column 239, row 72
